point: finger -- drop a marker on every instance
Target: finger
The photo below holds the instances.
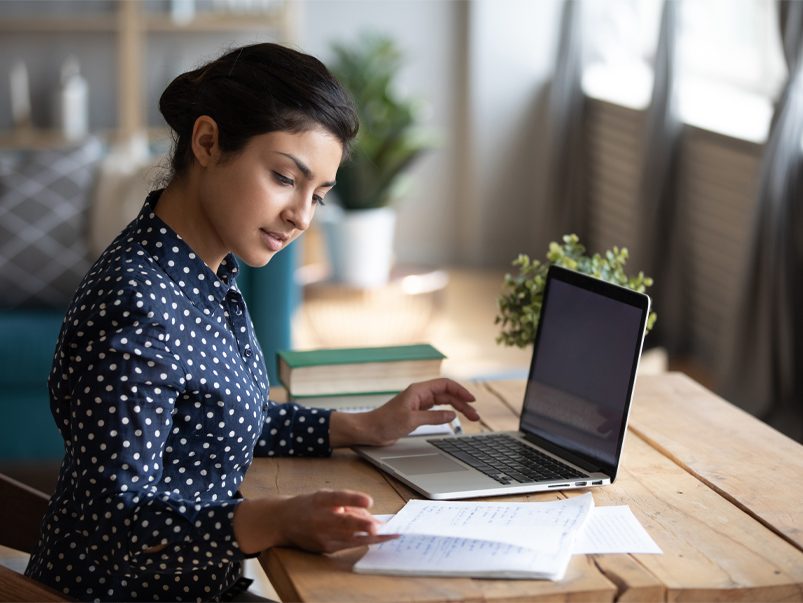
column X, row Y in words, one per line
column 375, row 539
column 358, row 520
column 433, row 417
column 344, row 498
column 444, row 400
column 361, row 512
column 427, row 391
column 466, row 408
column 335, row 545
column 365, row 539
column 444, row 385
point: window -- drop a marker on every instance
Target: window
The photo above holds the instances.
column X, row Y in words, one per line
column 620, row 37
column 730, row 64
column 729, row 61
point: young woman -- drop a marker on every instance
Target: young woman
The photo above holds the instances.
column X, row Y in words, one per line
column 158, row 384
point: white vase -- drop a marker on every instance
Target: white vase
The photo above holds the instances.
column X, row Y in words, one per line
column 359, row 244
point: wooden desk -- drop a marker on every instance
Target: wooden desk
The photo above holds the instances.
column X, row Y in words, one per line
column 719, row 491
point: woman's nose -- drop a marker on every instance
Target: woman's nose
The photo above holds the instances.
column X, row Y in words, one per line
column 300, row 214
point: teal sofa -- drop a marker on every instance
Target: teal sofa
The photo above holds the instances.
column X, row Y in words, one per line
column 28, row 339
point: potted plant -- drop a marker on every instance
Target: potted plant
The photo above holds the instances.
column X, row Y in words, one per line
column 359, row 231
column 523, row 293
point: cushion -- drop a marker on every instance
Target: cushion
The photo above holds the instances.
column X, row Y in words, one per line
column 125, row 177
column 44, row 204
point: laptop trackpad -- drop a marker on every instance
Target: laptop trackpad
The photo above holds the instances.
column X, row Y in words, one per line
column 425, row 463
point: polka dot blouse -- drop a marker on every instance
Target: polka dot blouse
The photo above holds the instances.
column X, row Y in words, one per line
column 160, row 391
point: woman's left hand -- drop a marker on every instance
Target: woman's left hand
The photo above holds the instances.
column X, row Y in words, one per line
column 402, row 414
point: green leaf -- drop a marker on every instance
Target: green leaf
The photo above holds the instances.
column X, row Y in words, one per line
column 389, row 140
column 522, row 293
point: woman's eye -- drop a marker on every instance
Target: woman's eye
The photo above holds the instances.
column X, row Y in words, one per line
column 283, row 179
column 318, row 200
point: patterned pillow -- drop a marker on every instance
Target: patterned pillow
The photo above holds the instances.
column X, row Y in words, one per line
column 44, row 205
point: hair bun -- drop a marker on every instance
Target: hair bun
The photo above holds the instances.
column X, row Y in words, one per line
column 177, row 102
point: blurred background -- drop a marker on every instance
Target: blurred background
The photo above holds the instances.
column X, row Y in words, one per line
column 673, row 129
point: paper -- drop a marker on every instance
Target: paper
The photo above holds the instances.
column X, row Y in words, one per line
column 428, row 430
column 480, row 539
column 421, row 430
column 614, row 530
column 608, row 530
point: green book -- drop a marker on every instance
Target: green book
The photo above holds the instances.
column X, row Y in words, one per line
column 341, row 371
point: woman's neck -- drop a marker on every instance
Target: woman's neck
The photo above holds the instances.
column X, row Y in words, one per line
column 179, row 207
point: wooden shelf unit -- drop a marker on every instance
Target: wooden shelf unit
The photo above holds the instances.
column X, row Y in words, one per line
column 131, row 23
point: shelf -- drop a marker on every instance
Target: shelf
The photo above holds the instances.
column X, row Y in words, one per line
column 36, row 138
column 202, row 23
column 216, row 22
column 42, row 138
column 99, row 23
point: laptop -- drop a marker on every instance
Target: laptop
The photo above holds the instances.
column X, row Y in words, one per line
column 576, row 404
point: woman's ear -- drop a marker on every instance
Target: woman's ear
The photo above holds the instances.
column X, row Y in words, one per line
column 205, row 147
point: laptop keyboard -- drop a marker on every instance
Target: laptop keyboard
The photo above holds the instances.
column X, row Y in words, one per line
column 506, row 459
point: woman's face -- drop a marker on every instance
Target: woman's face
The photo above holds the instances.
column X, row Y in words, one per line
column 258, row 201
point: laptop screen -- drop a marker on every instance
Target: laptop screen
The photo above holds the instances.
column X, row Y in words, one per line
column 584, row 363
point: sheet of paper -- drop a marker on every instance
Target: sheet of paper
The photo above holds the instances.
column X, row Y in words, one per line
column 614, row 530
column 545, row 539
column 423, row 430
column 419, row 555
column 516, row 540
column 428, row 430
column 536, row 526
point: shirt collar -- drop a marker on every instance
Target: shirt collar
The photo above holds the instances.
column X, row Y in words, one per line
column 172, row 253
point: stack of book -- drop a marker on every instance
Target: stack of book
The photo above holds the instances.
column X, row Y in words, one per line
column 355, row 378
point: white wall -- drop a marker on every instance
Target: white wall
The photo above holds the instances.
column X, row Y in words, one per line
column 427, row 32
column 482, row 66
column 510, row 58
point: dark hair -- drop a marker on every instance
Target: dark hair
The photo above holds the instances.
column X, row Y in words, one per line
column 254, row 90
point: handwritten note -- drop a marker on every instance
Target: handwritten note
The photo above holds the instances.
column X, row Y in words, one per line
column 480, row 539
column 614, row 530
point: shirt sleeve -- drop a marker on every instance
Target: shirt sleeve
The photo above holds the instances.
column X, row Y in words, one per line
column 116, row 428
column 294, row 430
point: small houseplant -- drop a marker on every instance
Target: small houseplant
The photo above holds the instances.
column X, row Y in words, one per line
column 389, row 142
column 522, row 293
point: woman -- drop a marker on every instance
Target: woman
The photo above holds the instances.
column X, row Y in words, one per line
column 158, row 384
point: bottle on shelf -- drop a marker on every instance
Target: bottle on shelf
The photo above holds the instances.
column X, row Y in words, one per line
column 72, row 110
column 182, row 11
column 20, row 96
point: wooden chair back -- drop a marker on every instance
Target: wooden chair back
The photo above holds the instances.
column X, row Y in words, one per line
column 21, row 511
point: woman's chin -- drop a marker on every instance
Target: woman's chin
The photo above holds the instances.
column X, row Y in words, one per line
column 256, row 260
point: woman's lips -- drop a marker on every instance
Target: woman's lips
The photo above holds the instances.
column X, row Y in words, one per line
column 273, row 240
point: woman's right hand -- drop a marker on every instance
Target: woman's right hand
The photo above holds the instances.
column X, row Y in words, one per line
column 324, row 521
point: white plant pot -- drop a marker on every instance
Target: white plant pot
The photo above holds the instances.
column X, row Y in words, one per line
column 359, row 244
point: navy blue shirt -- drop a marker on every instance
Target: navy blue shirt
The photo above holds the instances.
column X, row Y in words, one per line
column 160, row 391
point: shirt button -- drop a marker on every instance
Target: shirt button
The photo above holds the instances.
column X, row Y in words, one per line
column 248, row 352
column 238, row 310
